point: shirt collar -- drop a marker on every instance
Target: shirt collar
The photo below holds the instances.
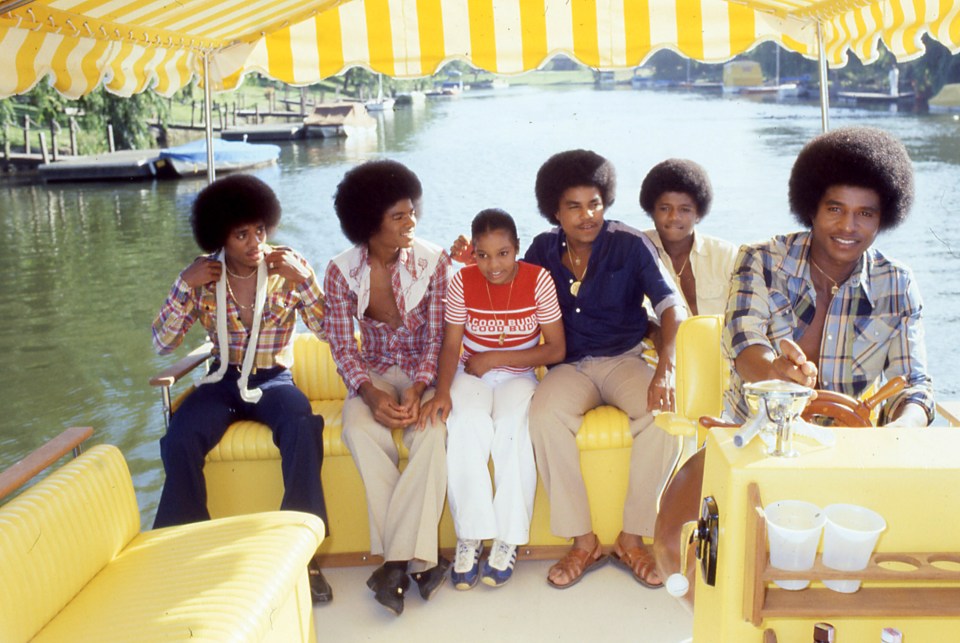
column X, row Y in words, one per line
column 698, row 244
column 795, row 264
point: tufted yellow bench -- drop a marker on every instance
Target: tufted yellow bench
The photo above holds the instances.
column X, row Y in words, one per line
column 76, row 567
column 243, row 470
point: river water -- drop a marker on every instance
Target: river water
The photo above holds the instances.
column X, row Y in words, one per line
column 86, row 266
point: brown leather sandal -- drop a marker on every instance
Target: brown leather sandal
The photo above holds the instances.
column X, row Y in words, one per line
column 576, row 563
column 639, row 561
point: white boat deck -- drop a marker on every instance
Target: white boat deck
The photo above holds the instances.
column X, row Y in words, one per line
column 607, row 605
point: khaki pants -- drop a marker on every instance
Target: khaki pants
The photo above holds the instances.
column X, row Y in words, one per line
column 404, row 508
column 563, row 397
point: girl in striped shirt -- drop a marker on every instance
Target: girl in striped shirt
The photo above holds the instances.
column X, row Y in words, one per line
column 497, row 311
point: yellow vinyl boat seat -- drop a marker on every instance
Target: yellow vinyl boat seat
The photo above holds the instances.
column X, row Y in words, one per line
column 243, row 471
column 76, row 567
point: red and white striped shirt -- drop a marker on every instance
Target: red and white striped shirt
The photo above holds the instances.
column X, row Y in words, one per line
column 516, row 310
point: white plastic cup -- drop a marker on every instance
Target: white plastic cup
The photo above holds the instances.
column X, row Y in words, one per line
column 793, row 530
column 849, row 537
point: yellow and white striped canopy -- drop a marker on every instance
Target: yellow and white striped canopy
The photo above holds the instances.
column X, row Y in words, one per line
column 132, row 45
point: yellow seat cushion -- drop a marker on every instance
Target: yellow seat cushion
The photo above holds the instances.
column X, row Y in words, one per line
column 230, row 579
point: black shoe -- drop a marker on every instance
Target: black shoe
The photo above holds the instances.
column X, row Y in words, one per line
column 377, row 577
column 320, row 590
column 390, row 590
column 431, row 580
column 381, row 572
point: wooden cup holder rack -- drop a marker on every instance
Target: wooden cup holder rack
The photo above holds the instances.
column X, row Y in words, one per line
column 926, row 573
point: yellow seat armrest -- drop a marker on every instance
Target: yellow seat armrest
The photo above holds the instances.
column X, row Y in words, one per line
column 676, row 424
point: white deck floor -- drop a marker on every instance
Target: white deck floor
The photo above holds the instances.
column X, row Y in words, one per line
column 607, row 605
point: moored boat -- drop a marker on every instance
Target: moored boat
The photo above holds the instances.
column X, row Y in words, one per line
column 946, row 100
column 332, row 120
column 228, row 156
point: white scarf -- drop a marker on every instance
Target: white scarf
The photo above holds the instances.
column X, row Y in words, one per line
column 223, row 340
column 415, row 271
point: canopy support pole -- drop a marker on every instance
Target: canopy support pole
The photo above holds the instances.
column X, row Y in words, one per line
column 208, row 117
column 824, row 81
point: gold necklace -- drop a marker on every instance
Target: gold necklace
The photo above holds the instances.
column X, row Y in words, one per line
column 683, row 267
column 237, row 301
column 503, row 331
column 575, row 260
column 833, row 289
column 233, row 274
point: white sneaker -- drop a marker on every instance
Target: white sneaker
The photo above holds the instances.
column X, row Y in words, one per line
column 498, row 568
column 466, row 565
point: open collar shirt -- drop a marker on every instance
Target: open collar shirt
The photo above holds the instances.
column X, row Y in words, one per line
column 185, row 306
column 872, row 332
column 606, row 317
column 415, row 345
column 711, row 261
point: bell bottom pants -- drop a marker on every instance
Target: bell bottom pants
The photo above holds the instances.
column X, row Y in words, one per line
column 404, row 508
column 203, row 418
column 489, row 419
column 566, row 393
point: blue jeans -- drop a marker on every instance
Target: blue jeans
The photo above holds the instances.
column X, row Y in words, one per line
column 203, row 418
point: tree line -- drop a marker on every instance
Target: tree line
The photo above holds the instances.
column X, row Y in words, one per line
column 132, row 118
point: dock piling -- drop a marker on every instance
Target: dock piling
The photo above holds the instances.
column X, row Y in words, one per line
column 54, row 144
column 73, row 136
column 43, row 147
column 110, row 144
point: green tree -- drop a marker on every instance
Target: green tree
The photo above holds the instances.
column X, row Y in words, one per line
column 130, row 117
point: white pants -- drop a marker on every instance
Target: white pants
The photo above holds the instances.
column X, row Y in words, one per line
column 489, row 418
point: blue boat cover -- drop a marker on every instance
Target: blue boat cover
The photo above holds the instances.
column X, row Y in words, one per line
column 223, row 152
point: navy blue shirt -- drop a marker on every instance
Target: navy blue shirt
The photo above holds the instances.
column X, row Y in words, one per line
column 607, row 315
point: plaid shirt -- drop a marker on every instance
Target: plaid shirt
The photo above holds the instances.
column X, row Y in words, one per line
column 414, row 346
column 873, row 329
column 186, row 305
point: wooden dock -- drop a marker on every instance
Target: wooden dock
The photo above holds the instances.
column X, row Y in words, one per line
column 264, row 132
column 872, row 98
column 123, row 165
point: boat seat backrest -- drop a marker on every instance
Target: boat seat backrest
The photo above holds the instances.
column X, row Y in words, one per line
column 702, row 372
column 58, row 534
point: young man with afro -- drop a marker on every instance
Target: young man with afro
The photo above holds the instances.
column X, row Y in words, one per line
column 245, row 293
column 823, row 307
column 393, row 285
column 603, row 270
column 677, row 194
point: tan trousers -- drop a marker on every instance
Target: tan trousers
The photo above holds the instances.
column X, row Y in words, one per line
column 563, row 397
column 404, row 508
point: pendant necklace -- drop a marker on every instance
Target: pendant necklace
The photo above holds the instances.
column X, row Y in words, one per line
column 575, row 261
column 835, row 287
column 503, row 330
column 683, row 267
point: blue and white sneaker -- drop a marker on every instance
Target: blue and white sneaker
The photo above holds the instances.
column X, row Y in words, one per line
column 466, row 565
column 498, row 567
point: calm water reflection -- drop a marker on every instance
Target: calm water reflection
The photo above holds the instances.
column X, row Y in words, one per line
column 87, row 266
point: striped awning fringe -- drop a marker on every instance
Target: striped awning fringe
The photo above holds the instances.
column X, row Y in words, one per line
column 132, row 45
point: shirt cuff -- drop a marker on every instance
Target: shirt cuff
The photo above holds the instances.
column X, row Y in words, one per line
column 180, row 293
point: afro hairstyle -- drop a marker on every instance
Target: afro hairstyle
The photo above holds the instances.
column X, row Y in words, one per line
column 367, row 191
column 677, row 175
column 230, row 202
column 493, row 219
column 863, row 157
column 572, row 169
